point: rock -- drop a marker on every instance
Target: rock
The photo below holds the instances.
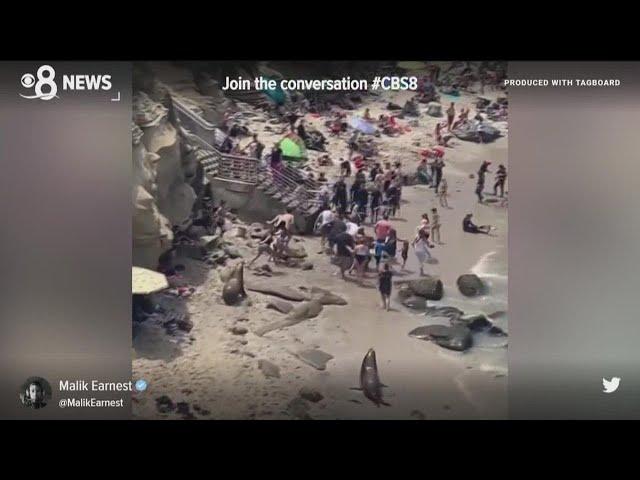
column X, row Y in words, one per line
column 210, row 242
column 266, row 268
column 269, row 369
column 164, row 404
column 239, row 232
column 195, row 252
column 299, row 409
column 316, row 358
column 184, row 409
column 293, row 262
column 415, row 303
column 306, row 266
column 325, row 297
column 280, row 306
column 404, row 292
column 497, row 332
column 257, row 230
column 296, row 252
column 470, row 285
column 287, row 293
column 310, row 394
column 184, row 324
column 232, row 252
column 239, row 330
column 428, row 287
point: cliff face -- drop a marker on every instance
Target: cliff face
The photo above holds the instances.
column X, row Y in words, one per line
column 162, row 194
column 152, row 233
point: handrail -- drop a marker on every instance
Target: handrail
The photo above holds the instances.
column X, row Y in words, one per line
column 245, row 168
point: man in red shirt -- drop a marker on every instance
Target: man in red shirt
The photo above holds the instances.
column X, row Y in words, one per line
column 382, row 228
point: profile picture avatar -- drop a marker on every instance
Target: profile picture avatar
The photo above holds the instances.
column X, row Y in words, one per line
column 35, row 392
column 43, row 83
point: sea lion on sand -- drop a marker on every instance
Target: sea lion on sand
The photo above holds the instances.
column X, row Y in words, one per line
column 456, row 338
column 233, row 291
column 370, row 381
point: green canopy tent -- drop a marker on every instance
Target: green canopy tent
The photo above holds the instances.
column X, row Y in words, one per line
column 293, row 149
column 277, row 95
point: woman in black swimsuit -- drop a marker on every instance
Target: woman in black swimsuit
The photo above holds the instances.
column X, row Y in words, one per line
column 384, row 285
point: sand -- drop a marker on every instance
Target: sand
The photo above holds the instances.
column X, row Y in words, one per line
column 218, row 371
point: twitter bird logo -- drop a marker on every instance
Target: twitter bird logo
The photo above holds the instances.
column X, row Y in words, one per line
column 612, row 385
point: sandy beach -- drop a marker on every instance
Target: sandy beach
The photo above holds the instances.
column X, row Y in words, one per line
column 218, row 370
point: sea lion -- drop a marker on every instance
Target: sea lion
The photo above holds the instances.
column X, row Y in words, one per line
column 233, row 291
column 456, row 338
column 459, row 339
column 370, row 381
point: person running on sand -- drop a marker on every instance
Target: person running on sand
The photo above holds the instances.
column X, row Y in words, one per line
column 340, row 195
column 376, row 199
column 444, row 193
column 326, row 218
column 382, row 228
column 361, row 252
column 384, row 285
column 436, row 169
column 285, row 219
column 345, row 246
column 435, row 225
column 469, row 227
column 391, row 244
column 338, row 226
column 405, row 253
column 451, row 115
column 424, row 222
column 484, row 168
column 501, row 177
column 281, row 243
column 421, row 247
column 266, row 245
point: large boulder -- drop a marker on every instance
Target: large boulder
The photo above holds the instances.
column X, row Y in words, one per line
column 428, row 287
column 470, row 285
column 296, row 252
column 404, row 292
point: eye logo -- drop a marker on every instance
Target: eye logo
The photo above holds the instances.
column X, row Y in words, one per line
column 28, row 80
column 46, row 75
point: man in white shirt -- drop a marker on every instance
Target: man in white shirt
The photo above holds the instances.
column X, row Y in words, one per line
column 325, row 219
